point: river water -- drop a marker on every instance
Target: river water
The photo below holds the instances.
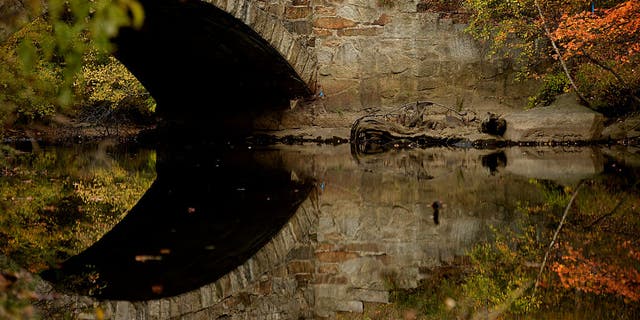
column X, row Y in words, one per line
column 303, row 231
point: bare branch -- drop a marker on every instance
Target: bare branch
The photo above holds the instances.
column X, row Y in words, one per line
column 555, row 235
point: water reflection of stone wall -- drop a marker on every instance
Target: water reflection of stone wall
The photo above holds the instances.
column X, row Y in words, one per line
column 376, row 228
column 270, row 285
column 368, row 228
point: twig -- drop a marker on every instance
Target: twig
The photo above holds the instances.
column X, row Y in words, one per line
column 555, row 48
column 614, row 209
column 555, row 235
column 607, row 214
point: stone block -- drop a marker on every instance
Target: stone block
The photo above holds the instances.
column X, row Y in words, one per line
column 267, row 31
column 347, row 56
column 369, row 89
column 330, row 291
column 338, row 86
column 295, row 50
column 362, row 31
column 403, row 26
column 165, row 309
column 275, row 8
column 299, row 27
column 153, row 308
column 324, row 11
column 366, row 295
column 349, row 306
column 300, row 266
column 428, row 22
column 222, row 4
column 301, row 253
column 383, row 19
column 427, row 83
column 309, row 75
column 206, row 296
column 278, row 32
column 325, row 247
column 322, row 32
column 364, row 248
column 329, row 268
column 297, row 12
column 321, row 278
column 286, row 44
column 232, row 5
column 335, row 256
column 259, row 20
column 123, row 310
column 333, row 23
column 174, row 307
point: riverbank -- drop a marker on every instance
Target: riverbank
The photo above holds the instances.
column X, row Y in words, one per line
column 61, row 130
column 441, row 126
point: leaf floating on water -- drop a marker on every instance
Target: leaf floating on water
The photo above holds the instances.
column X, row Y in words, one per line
column 145, row 258
column 157, row 288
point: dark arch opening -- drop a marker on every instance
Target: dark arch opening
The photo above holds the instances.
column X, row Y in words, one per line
column 207, row 70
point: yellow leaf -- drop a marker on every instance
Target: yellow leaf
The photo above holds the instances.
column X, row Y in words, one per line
column 138, row 14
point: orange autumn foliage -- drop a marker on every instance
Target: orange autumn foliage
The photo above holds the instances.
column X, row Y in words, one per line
column 605, row 35
column 589, row 274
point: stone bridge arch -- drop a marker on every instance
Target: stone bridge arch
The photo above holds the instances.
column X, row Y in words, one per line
column 229, row 57
column 273, row 30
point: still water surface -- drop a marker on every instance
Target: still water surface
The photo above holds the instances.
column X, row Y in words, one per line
column 304, row 231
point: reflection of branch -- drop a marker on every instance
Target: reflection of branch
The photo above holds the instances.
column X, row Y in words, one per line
column 613, row 210
column 555, row 235
column 607, row 214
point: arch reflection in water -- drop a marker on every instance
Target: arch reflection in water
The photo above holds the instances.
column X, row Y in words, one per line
column 209, row 210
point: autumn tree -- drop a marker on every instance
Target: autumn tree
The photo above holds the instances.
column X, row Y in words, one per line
column 41, row 61
column 600, row 48
column 605, row 47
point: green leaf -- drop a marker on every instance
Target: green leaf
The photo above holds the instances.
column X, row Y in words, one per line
column 80, row 9
column 28, row 55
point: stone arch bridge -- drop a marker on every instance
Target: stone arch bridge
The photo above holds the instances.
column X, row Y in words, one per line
column 239, row 55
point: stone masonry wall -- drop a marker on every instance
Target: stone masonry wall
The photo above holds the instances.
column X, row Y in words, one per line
column 376, row 53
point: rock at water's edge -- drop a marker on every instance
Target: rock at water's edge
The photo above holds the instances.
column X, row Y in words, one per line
column 563, row 121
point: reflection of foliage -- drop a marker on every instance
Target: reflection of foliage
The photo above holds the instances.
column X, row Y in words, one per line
column 595, row 266
column 16, row 292
column 56, row 203
column 596, row 254
column 499, row 271
column 599, row 276
column 88, row 282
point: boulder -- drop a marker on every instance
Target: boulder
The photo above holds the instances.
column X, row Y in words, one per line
column 565, row 120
